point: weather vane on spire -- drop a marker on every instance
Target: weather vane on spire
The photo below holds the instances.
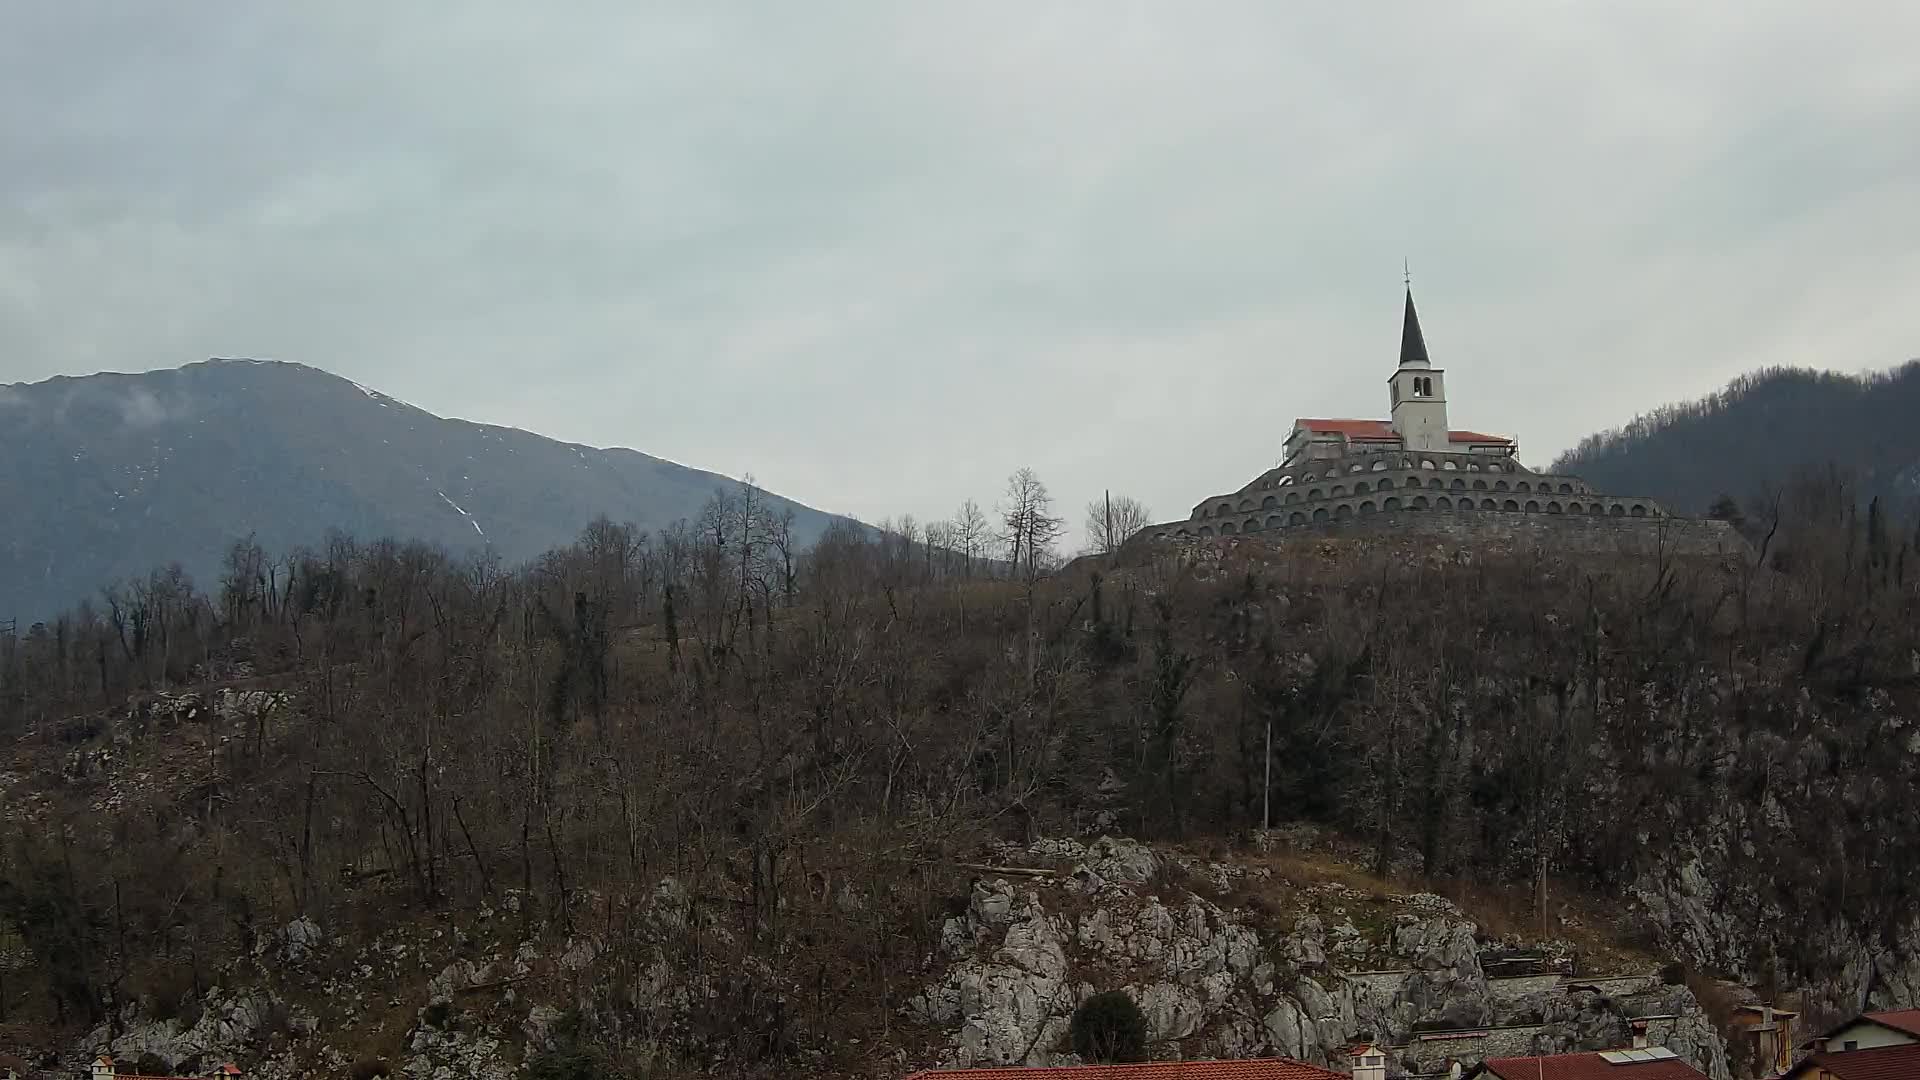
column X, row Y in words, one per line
column 1406, row 267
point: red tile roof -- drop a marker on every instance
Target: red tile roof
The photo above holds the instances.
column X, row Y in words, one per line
column 1352, row 429
column 1879, row 1063
column 1589, row 1067
column 1256, row 1069
column 1907, row 1020
column 1383, row 429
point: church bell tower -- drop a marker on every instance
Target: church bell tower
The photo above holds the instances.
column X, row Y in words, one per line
column 1419, row 390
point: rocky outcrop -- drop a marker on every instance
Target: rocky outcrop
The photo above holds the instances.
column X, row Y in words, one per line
column 1212, row 983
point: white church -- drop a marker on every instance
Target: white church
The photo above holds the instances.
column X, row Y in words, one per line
column 1344, row 470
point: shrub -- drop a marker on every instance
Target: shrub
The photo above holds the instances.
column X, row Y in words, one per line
column 152, row 1064
column 567, row 1063
column 1109, row 1028
column 437, row 1014
column 369, row 1069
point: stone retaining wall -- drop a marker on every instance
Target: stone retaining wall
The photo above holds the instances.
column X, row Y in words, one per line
column 1565, row 533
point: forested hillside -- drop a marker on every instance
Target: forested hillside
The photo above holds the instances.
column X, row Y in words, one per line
column 804, row 743
column 1748, row 440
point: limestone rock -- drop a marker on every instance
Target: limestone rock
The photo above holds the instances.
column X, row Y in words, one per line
column 1122, row 860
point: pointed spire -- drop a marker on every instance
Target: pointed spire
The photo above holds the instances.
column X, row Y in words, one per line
column 1413, row 346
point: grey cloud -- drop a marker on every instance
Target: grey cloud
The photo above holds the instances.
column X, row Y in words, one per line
column 881, row 254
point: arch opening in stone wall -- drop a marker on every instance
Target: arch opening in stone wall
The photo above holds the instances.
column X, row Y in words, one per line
column 1566, row 489
column 1252, row 525
column 1510, row 506
column 1338, row 490
column 1596, row 509
column 1489, row 504
column 1269, row 503
column 1343, row 512
column 1458, row 484
column 1464, row 504
column 1426, row 463
column 1245, row 505
column 1437, row 484
column 1380, row 465
column 1443, row 503
column 1293, row 497
column 1499, row 485
column 1479, row 485
column 1473, row 466
column 1314, row 495
column 1639, row 511
column 1573, row 508
column 1296, row 518
column 1274, row 521
column 1385, row 483
column 1356, row 467
column 1320, row 514
column 1419, row 503
column 1367, row 508
column 1227, row 528
column 1283, row 481
column 1206, row 532
column 1391, row 504
column 1224, row 508
column 1360, row 488
column 1533, row 506
column 1616, row 510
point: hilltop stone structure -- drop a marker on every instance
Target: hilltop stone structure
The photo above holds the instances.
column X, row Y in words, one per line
column 1337, row 473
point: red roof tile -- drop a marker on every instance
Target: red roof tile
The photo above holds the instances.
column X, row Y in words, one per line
column 1589, row 1067
column 1352, row 429
column 1256, row 1069
column 1907, row 1020
column 1383, row 429
column 1879, row 1063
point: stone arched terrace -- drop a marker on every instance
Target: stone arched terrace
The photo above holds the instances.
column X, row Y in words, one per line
column 1317, row 492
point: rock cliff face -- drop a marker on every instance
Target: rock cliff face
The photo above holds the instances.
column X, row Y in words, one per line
column 1212, row 984
column 1225, row 959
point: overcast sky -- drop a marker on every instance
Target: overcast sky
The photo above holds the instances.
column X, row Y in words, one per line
column 879, row 254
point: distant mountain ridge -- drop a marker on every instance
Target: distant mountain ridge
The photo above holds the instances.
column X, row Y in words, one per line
column 1755, row 434
column 108, row 476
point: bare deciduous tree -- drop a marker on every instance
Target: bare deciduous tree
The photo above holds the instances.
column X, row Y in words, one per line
column 1112, row 519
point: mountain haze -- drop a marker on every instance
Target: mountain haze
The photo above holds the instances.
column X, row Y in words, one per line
column 1751, row 437
column 109, row 475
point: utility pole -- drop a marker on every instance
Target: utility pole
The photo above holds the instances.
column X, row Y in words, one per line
column 1266, row 783
column 1540, row 898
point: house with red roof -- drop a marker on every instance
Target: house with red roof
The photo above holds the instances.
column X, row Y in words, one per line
column 1648, row 1063
column 1871, row 1046
column 1253, row 1069
column 104, row 1068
